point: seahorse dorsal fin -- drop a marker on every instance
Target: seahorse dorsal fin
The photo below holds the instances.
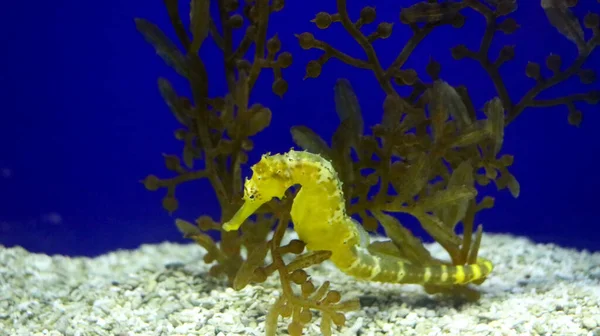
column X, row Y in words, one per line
column 388, row 249
column 365, row 239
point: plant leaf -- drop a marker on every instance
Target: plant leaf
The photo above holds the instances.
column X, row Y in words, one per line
column 437, row 110
column 246, row 271
column 461, row 176
column 351, row 127
column 187, row 228
column 199, row 22
column 325, row 326
column 563, row 19
column 441, row 233
column 410, row 247
column 513, row 185
column 310, row 141
column 472, row 134
column 392, row 111
column 173, row 101
column 416, row 177
column 227, row 115
column 173, row 163
column 463, row 92
column 474, row 249
column 166, row 49
column 259, row 120
column 449, row 197
column 453, row 102
column 242, row 93
column 495, row 114
column 341, row 143
column 308, row 259
column 508, row 180
column 188, row 156
column 191, row 231
column 273, row 316
column 347, row 106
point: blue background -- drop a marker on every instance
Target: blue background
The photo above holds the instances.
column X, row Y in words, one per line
column 82, row 121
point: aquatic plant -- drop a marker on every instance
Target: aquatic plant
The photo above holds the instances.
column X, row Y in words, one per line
column 217, row 131
column 431, row 148
column 217, row 134
column 425, row 158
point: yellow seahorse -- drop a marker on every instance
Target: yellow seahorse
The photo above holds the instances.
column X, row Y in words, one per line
column 320, row 219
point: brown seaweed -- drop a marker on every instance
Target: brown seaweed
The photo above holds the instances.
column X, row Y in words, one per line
column 426, row 157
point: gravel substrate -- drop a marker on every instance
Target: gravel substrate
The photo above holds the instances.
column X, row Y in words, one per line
column 164, row 290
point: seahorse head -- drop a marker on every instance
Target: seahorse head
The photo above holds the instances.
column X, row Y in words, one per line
column 270, row 178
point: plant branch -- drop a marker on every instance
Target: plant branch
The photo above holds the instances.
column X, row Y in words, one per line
column 214, row 32
column 561, row 100
column 409, row 47
column 173, row 10
column 366, row 45
column 482, row 55
column 333, row 52
column 262, row 7
column 528, row 99
column 227, row 47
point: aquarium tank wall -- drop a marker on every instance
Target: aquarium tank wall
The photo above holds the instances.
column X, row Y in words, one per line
column 299, row 154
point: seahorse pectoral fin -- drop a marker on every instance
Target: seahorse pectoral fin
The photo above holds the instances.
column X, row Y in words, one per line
column 247, row 209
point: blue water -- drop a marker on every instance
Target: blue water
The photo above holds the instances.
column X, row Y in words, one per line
column 82, row 120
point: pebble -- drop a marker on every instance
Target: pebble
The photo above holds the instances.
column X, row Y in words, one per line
column 589, row 323
column 164, row 289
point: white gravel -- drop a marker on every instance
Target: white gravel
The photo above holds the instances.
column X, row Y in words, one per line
column 164, row 290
